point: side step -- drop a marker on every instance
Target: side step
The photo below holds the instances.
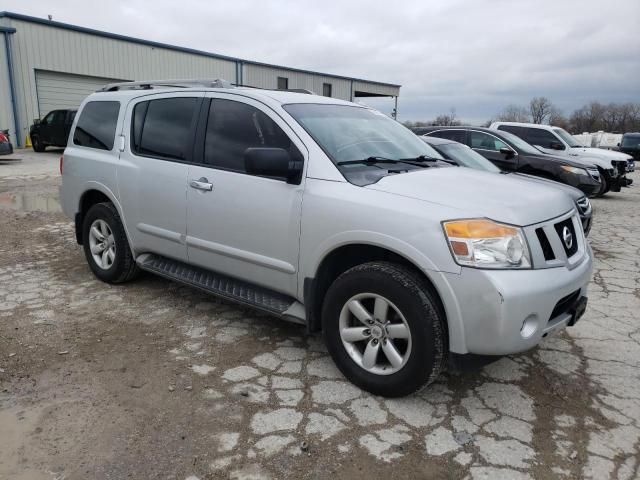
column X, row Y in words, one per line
column 223, row 286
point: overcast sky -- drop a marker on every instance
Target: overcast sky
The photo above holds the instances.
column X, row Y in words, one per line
column 476, row 56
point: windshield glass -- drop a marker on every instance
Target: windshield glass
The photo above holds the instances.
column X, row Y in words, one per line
column 631, row 141
column 567, row 137
column 466, row 157
column 348, row 133
column 519, row 143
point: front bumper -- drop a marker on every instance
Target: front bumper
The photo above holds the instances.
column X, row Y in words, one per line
column 510, row 311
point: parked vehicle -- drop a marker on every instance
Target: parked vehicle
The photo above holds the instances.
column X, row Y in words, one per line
column 511, row 153
column 464, row 156
column 326, row 213
column 556, row 141
column 52, row 130
column 5, row 143
column 630, row 145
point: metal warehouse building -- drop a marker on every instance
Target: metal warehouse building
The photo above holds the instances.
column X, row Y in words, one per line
column 46, row 65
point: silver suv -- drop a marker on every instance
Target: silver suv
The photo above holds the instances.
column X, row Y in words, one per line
column 325, row 213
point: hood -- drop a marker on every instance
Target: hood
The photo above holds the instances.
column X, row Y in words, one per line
column 573, row 192
column 597, row 156
column 503, row 198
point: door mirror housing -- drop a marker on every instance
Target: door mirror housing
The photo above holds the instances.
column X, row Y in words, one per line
column 507, row 152
column 273, row 162
column 36, row 121
column 556, row 146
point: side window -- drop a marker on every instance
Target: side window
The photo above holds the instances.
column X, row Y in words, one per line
column 96, row 127
column 485, row 141
column 48, row 119
column 519, row 131
column 232, row 127
column 455, row 135
column 540, row 137
column 163, row 128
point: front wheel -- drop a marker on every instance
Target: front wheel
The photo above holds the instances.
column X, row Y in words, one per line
column 384, row 329
column 605, row 183
column 37, row 144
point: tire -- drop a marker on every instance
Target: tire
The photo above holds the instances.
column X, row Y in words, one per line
column 37, row 144
column 605, row 184
column 411, row 302
column 118, row 267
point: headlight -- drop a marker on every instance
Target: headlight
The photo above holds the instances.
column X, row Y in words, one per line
column 482, row 243
column 574, row 170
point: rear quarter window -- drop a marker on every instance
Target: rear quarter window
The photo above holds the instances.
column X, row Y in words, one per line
column 96, row 127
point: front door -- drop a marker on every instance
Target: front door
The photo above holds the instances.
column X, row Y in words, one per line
column 153, row 168
column 238, row 224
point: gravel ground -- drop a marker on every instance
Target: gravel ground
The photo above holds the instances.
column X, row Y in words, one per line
column 156, row 380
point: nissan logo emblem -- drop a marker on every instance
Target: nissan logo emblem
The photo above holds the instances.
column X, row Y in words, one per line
column 567, row 238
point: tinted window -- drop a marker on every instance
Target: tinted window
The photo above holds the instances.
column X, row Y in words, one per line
column 519, row 131
column 96, row 127
column 455, row 135
column 540, row 137
column 233, row 127
column 466, row 157
column 54, row 118
column 162, row 128
column 485, row 141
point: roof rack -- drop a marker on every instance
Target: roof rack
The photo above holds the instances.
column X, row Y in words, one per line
column 150, row 84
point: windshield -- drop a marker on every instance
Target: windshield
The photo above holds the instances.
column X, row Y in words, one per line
column 466, row 157
column 567, row 137
column 520, row 144
column 349, row 133
column 631, row 141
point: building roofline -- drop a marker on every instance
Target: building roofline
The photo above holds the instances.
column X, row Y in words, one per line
column 116, row 36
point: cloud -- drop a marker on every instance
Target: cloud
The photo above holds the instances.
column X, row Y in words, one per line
column 476, row 56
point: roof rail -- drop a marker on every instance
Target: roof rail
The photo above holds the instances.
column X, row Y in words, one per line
column 150, row 84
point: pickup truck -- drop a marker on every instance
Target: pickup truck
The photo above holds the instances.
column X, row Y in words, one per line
column 52, row 130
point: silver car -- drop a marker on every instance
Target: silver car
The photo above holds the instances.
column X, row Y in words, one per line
column 325, row 213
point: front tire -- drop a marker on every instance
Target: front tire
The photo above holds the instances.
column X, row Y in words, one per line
column 105, row 245
column 384, row 329
column 37, row 144
column 605, row 183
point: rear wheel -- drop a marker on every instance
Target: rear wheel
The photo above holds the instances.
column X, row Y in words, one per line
column 384, row 329
column 105, row 245
column 37, row 144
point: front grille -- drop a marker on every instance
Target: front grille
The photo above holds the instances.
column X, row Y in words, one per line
column 565, row 304
column 568, row 237
column 620, row 168
column 547, row 251
column 583, row 205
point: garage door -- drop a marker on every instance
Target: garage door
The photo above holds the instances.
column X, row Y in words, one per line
column 63, row 90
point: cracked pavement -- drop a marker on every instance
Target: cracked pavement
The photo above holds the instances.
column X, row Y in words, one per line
column 157, row 380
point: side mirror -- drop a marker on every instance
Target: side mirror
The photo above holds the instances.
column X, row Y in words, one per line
column 618, row 144
column 36, row 121
column 507, row 152
column 272, row 162
column 556, row 146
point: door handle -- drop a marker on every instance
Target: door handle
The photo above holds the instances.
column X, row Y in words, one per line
column 201, row 184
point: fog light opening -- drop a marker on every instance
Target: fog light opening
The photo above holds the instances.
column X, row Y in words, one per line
column 529, row 326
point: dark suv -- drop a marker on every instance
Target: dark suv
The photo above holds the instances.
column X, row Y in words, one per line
column 52, row 130
column 510, row 153
column 630, row 145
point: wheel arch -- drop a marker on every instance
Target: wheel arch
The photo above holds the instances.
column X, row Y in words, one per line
column 346, row 256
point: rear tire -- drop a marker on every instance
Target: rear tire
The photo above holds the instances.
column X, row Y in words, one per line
column 106, row 246
column 403, row 345
column 37, row 144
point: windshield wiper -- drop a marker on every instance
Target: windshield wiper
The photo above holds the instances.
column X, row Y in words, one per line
column 424, row 158
column 368, row 161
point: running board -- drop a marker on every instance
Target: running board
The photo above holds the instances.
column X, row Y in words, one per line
column 223, row 286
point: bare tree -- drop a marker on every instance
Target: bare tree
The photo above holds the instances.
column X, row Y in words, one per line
column 540, row 109
column 557, row 119
column 513, row 113
column 447, row 119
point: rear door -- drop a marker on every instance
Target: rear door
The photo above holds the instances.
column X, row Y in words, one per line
column 489, row 147
column 239, row 224
column 152, row 174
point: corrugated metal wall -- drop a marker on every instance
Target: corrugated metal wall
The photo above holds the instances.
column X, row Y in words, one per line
column 6, row 116
column 41, row 47
column 267, row 77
